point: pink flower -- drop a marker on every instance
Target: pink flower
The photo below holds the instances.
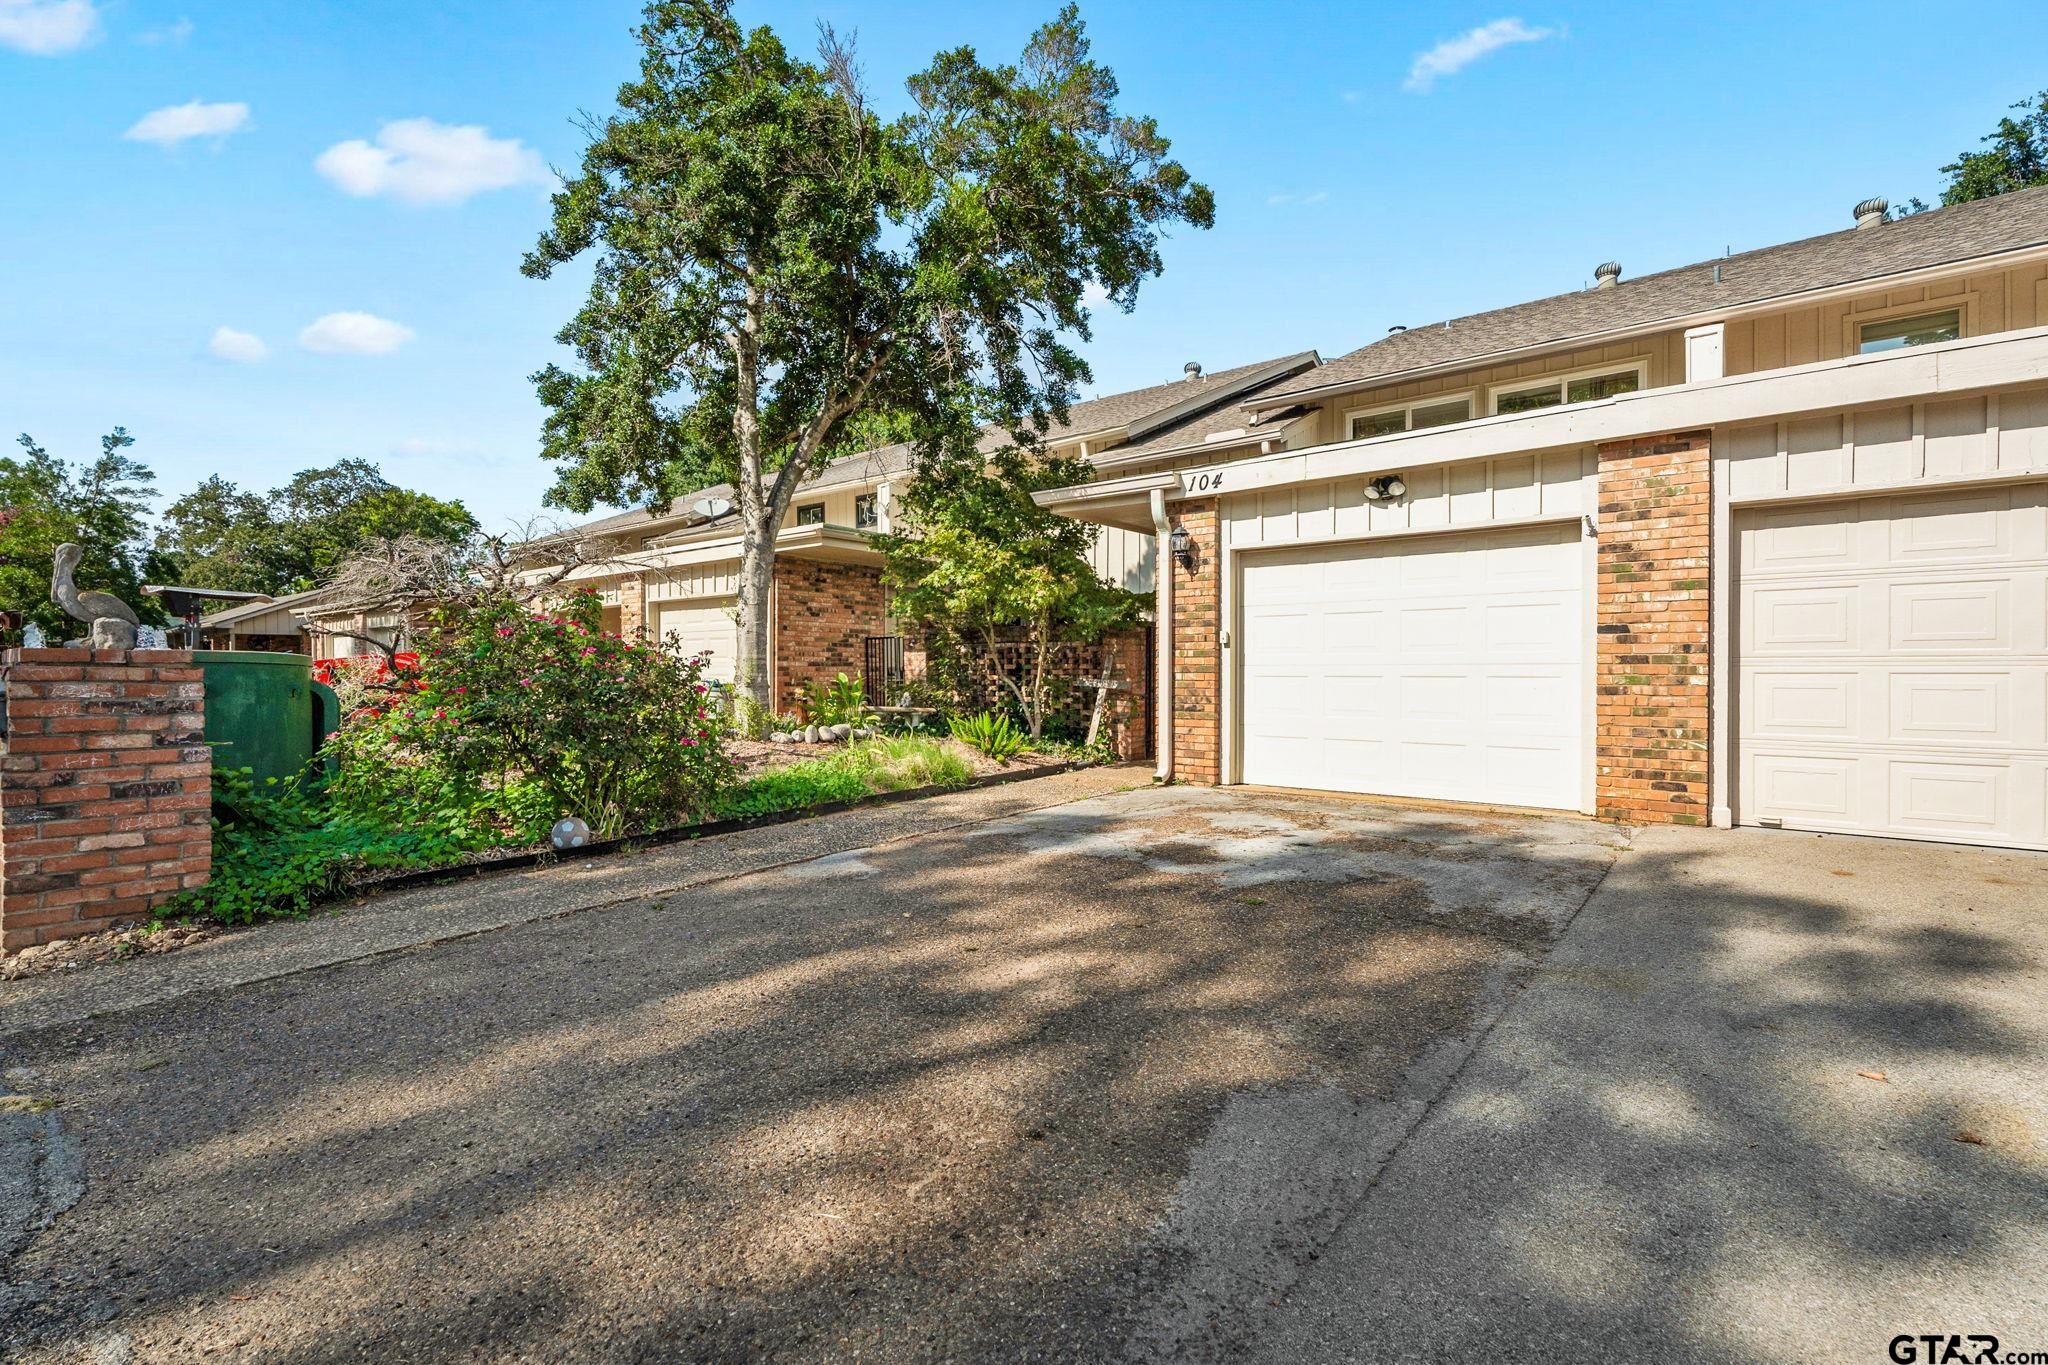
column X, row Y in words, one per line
column 440, row 715
column 461, row 691
column 526, row 682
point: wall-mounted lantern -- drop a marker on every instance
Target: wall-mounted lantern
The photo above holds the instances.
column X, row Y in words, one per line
column 1385, row 487
column 1183, row 546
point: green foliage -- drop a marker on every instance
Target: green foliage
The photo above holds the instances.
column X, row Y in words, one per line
column 621, row 733
column 899, row 763
column 781, row 273
column 279, row 848
column 2016, row 157
column 991, row 735
column 293, row 537
column 102, row 505
column 979, row 564
column 839, row 702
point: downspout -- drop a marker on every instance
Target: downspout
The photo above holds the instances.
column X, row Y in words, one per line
column 1162, row 614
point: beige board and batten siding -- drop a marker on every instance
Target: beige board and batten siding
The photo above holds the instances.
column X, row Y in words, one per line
column 1472, row 516
column 1992, row 435
column 718, row 579
column 1991, row 301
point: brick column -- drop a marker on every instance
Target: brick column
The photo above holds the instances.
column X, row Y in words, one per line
column 105, row 789
column 632, row 606
column 1197, row 654
column 1655, row 635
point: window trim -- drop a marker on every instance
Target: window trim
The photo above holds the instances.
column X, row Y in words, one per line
column 1407, row 410
column 874, row 503
column 1853, row 323
column 797, row 515
column 1562, row 382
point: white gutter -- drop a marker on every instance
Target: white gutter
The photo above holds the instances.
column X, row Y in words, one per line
column 1162, row 625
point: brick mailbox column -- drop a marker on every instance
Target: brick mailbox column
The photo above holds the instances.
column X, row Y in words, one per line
column 105, row 789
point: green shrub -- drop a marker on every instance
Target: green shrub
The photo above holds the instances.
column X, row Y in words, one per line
column 990, row 734
column 280, row 848
column 839, row 702
column 550, row 707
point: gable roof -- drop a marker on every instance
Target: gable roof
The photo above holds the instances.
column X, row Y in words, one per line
column 1984, row 227
column 1139, row 412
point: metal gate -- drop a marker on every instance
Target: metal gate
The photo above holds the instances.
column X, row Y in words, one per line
column 882, row 678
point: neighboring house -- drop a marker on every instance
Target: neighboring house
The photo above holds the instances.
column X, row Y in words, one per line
column 298, row 624
column 675, row 573
column 1760, row 540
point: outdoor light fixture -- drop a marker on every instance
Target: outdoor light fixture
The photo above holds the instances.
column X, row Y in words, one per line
column 1183, row 546
column 1386, row 486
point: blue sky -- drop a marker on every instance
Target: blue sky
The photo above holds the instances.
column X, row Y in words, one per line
column 362, row 250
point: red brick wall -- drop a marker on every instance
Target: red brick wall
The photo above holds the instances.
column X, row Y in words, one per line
column 1655, row 519
column 1197, row 654
column 105, row 789
column 632, row 606
column 824, row 614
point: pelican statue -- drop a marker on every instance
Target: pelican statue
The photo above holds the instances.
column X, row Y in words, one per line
column 110, row 621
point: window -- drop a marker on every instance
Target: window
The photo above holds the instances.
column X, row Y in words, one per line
column 1569, row 388
column 1922, row 330
column 810, row 514
column 864, row 518
column 1430, row 412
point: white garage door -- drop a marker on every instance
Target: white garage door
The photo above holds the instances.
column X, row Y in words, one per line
column 1447, row 666
column 1894, row 667
column 703, row 627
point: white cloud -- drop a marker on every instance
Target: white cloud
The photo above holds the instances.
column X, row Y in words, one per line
column 181, row 122
column 1453, row 55
column 354, row 334
column 174, row 33
column 420, row 161
column 1281, row 200
column 1094, row 294
column 1352, row 96
column 244, row 348
column 45, row 28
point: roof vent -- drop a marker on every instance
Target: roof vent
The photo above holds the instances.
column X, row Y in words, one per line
column 1191, row 371
column 1605, row 276
column 1397, row 327
column 1873, row 211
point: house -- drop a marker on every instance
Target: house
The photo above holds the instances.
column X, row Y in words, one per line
column 1761, row 540
column 300, row 623
column 674, row 573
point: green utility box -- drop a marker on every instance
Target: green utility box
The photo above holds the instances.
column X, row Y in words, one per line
column 264, row 711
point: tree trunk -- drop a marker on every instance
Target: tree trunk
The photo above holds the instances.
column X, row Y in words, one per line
column 757, row 579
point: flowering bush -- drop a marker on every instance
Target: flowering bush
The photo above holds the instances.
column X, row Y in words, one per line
column 521, row 716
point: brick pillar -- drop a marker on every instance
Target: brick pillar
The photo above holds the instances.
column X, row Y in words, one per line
column 1197, row 655
column 1655, row 636
column 105, row 789
column 824, row 614
column 632, row 606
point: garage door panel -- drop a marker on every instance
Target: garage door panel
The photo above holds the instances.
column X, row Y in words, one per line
column 1907, row 695
column 1273, row 632
column 707, row 628
column 1947, row 616
column 1434, row 679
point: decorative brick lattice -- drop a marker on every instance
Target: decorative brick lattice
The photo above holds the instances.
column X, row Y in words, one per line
column 105, row 789
column 824, row 614
column 1197, row 652
column 1655, row 632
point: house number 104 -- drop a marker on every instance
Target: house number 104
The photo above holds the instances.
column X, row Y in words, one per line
column 1204, row 483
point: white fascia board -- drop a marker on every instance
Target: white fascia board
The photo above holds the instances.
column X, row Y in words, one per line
column 1950, row 368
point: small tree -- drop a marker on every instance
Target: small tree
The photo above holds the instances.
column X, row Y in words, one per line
column 981, row 562
column 774, row 260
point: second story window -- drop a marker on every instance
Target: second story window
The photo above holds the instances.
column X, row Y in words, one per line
column 864, row 514
column 1430, row 412
column 810, row 514
column 1922, row 330
column 1570, row 388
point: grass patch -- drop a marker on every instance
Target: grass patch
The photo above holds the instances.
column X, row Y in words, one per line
column 862, row 769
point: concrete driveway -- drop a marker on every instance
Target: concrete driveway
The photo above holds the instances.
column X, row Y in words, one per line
column 1151, row 1075
column 1067, row 1084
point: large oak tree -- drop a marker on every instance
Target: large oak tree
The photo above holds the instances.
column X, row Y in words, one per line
column 774, row 260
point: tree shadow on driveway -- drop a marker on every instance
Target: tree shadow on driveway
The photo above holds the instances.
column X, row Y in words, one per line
column 1773, row 1097
column 939, row 1098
